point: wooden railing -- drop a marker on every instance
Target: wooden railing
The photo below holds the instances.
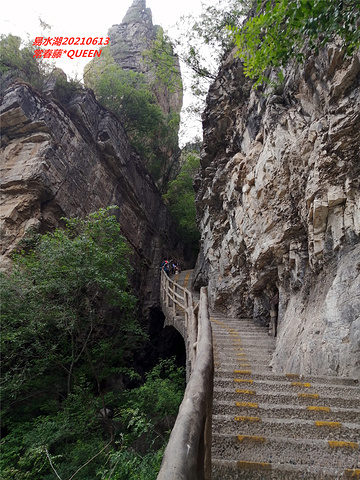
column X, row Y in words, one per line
column 188, row 453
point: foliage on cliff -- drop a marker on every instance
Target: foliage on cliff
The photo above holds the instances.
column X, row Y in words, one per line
column 180, row 199
column 69, row 333
column 129, row 95
column 160, row 59
column 16, row 60
column 203, row 40
column 287, row 29
column 273, row 33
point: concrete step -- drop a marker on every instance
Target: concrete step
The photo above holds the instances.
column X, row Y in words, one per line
column 247, row 332
column 281, row 427
column 269, row 425
column 235, row 470
column 250, row 336
column 273, row 449
column 259, row 350
column 230, row 369
column 289, row 411
column 267, row 383
column 232, row 355
column 254, row 393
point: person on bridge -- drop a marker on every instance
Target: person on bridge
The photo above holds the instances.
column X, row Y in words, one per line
column 165, row 266
column 175, row 267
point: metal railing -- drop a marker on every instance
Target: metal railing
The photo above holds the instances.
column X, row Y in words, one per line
column 188, row 453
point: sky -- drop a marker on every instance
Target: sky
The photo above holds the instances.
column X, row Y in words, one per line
column 79, row 18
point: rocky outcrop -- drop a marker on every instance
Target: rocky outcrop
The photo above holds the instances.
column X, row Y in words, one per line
column 278, row 204
column 129, row 42
column 70, row 162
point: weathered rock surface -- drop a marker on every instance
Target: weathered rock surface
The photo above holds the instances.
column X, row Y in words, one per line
column 129, row 41
column 278, row 204
column 70, row 162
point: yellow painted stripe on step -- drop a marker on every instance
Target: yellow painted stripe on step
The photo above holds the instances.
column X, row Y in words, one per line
column 241, row 354
column 292, row 375
column 244, row 364
column 339, row 444
column 328, row 424
column 244, row 465
column 319, row 409
column 352, row 473
column 186, row 280
column 308, row 395
column 300, row 384
column 247, row 404
column 247, row 419
column 251, row 438
column 243, row 380
column 243, row 372
column 246, row 392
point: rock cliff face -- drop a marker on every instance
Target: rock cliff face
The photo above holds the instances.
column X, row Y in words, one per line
column 130, row 40
column 278, row 203
column 70, row 162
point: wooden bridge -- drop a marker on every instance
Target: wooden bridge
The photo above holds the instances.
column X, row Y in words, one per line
column 241, row 420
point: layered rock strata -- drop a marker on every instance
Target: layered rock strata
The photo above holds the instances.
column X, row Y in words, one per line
column 70, row 162
column 278, row 203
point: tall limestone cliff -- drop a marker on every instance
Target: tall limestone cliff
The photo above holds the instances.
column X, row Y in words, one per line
column 71, row 161
column 131, row 41
column 138, row 77
column 278, row 203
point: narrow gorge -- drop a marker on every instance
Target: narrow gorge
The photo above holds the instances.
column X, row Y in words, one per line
column 278, row 200
column 94, row 381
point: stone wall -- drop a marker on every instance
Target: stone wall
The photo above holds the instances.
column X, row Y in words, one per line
column 70, row 162
column 278, row 203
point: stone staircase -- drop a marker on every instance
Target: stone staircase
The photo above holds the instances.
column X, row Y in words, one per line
column 268, row 426
column 279, row 427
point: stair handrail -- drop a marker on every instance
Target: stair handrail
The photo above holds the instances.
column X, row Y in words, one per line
column 188, row 452
column 170, row 299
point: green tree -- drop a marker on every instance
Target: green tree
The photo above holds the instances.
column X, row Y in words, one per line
column 68, row 331
column 180, row 199
column 16, row 61
column 68, row 325
column 203, row 40
column 148, row 413
column 284, row 30
column 164, row 63
column 67, row 310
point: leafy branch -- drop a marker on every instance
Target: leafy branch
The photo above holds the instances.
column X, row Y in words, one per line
column 282, row 30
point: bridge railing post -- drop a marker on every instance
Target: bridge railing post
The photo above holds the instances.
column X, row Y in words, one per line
column 174, row 288
column 188, row 453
